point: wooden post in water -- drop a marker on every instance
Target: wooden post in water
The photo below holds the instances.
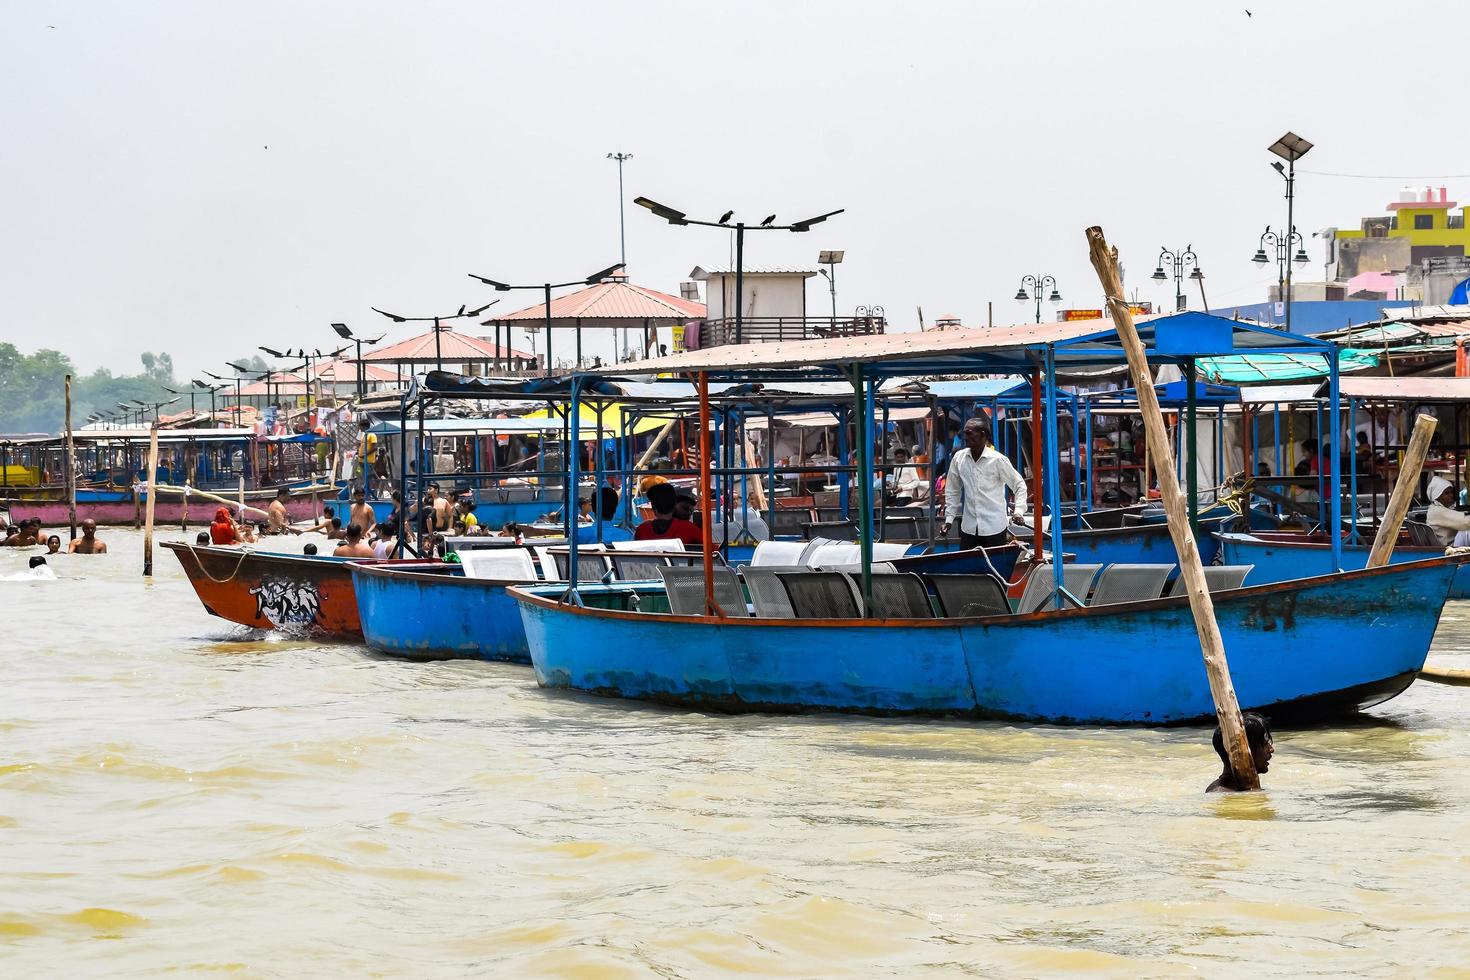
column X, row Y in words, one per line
column 71, row 467
column 1212, row 644
column 1403, row 491
column 152, row 499
column 241, row 514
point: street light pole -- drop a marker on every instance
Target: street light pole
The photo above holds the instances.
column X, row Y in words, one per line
column 1290, row 148
column 435, row 320
column 676, row 217
column 830, row 258
column 1038, row 285
column 622, row 238
column 1176, row 262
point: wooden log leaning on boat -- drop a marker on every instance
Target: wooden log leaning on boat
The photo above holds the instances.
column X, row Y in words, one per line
column 1403, row 491
column 1212, row 644
column 152, row 498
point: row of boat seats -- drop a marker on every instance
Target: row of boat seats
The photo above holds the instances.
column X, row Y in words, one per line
column 807, row 594
column 1099, row 585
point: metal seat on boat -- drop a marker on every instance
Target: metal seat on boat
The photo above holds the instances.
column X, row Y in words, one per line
column 652, row 544
column 635, row 567
column 500, row 563
column 833, row 530
column 1421, row 534
column 896, row 595
column 841, row 554
column 789, row 521
column 900, row 528
column 685, row 589
column 1129, row 583
column 1218, row 578
column 821, row 595
column 779, row 553
column 969, row 595
column 1076, row 579
column 767, row 593
column 591, row 563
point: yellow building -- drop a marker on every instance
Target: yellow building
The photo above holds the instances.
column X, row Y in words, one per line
column 1420, row 226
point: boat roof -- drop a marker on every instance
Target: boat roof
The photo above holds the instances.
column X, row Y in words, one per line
column 465, row 427
column 1170, row 338
column 1400, row 389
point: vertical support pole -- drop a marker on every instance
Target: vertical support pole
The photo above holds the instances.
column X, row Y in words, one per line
column 1334, row 508
column 1054, row 486
column 1090, row 473
column 771, row 469
column 401, row 531
column 1353, row 465
column 1037, row 468
column 1276, row 436
column 882, row 494
column 706, row 530
column 864, row 481
column 599, row 472
column 1212, row 644
column 844, row 497
column 152, row 499
column 547, row 298
column 739, row 283
column 573, row 452
column 1191, row 436
column 71, row 467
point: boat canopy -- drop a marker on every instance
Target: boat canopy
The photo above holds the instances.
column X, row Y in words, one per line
column 1442, row 390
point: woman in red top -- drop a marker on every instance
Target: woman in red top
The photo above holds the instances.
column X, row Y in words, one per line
column 223, row 530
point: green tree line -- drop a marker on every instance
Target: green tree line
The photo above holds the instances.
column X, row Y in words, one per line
column 33, row 389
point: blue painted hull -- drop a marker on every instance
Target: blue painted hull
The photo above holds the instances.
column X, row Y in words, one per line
column 1313, row 649
column 422, row 615
column 1281, row 561
column 1141, row 544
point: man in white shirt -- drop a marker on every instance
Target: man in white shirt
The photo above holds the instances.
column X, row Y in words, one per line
column 975, row 490
column 905, row 479
column 1446, row 522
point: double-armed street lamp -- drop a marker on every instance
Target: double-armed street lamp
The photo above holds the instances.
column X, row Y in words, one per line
column 676, row 217
column 438, row 322
column 621, row 158
column 345, row 332
column 1038, row 286
column 1177, row 261
column 546, row 288
column 212, row 389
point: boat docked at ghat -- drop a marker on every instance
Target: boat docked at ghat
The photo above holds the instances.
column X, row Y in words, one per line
column 273, row 590
column 1106, row 645
column 196, row 469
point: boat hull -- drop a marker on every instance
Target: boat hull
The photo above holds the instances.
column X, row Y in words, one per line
column 273, row 591
column 409, row 612
column 1280, row 560
column 1298, row 651
column 117, row 508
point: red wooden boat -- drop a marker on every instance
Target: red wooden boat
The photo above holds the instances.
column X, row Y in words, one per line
column 271, row 590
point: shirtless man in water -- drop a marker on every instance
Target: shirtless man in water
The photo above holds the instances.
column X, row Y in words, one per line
column 361, row 514
column 280, row 522
column 88, row 543
column 443, row 509
column 1258, row 738
column 353, row 546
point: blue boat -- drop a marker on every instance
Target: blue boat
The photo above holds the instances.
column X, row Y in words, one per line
column 1303, row 650
column 1282, row 557
column 1138, row 543
column 434, row 612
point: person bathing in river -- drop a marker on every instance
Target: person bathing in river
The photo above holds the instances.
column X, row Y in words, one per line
column 222, row 531
column 280, row 521
column 362, row 514
column 1258, row 737
column 353, row 546
column 53, row 545
column 202, row 539
column 975, row 491
column 12, row 537
column 88, row 543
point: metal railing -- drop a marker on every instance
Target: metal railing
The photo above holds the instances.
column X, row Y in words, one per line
column 770, row 329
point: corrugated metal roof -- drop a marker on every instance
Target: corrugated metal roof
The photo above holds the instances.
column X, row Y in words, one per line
column 455, row 348
column 1273, row 394
column 699, row 272
column 613, row 300
column 1417, row 389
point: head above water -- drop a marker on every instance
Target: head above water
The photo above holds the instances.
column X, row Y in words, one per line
column 310, row 549
column 37, row 561
column 89, row 528
column 359, row 496
column 202, row 538
column 354, row 531
column 53, row 544
column 1257, row 736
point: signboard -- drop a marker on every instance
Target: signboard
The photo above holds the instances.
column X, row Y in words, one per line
column 1067, row 316
column 678, row 345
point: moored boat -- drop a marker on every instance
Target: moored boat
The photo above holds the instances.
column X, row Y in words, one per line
column 270, row 590
column 1307, row 649
column 435, row 611
column 1279, row 557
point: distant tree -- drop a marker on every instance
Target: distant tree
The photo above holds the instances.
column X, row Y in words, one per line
column 255, row 363
column 33, row 389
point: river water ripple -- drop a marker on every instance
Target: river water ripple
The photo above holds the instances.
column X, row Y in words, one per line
column 180, row 794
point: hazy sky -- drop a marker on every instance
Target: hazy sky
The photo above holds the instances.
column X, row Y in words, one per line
column 200, row 177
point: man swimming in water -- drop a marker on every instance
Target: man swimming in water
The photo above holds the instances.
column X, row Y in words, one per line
column 1258, row 737
column 280, row 522
column 88, row 543
column 353, row 546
